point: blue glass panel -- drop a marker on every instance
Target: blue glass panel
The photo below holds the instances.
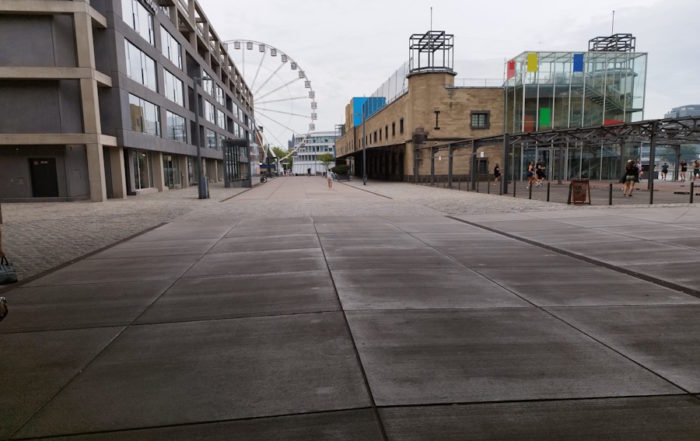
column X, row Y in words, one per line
column 578, row 62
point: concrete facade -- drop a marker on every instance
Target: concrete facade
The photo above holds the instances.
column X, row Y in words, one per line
column 75, row 132
column 433, row 111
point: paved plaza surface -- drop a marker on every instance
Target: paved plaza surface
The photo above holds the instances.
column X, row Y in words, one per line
column 385, row 312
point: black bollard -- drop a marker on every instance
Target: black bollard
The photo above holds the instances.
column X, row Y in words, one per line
column 514, row 188
column 477, row 185
column 489, row 187
column 548, row 183
column 529, row 196
column 692, row 191
column 610, row 194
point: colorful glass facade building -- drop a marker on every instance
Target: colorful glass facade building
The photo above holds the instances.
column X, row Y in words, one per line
column 558, row 90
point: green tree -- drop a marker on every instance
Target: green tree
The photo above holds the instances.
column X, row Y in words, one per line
column 326, row 159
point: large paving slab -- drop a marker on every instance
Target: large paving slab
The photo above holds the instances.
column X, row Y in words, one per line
column 639, row 419
column 219, row 297
column 420, row 357
column 36, row 365
column 666, row 339
column 258, row 262
column 156, row 375
column 95, row 270
column 455, row 288
column 42, row 308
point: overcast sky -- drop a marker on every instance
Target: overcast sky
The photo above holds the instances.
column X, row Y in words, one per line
column 348, row 48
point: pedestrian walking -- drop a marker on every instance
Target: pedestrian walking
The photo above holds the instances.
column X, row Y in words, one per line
column 330, row 176
column 541, row 174
column 630, row 177
column 684, row 170
column 639, row 169
column 530, row 174
column 664, row 171
column 696, row 169
column 496, row 173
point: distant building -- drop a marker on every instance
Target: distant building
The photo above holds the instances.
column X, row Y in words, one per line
column 305, row 158
column 687, row 110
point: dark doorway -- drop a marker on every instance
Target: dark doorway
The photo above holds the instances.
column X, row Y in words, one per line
column 44, row 177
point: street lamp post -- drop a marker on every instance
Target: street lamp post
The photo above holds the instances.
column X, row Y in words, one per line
column 202, row 183
column 364, row 145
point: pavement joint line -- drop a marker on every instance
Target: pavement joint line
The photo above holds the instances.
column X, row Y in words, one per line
column 638, row 275
column 357, row 409
column 197, row 423
column 237, row 194
column 560, row 319
column 20, row 283
column 365, row 190
column 110, row 341
column 539, row 400
column 160, row 323
column 361, row 366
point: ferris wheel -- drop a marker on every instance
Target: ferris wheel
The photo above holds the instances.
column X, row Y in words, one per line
column 284, row 101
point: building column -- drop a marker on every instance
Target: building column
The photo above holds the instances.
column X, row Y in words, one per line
column 96, row 172
column 118, row 172
column 216, row 170
column 184, row 173
column 158, row 172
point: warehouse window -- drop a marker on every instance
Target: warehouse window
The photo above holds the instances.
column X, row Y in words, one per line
column 480, row 120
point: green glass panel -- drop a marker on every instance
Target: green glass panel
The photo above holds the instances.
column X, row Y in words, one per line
column 545, row 117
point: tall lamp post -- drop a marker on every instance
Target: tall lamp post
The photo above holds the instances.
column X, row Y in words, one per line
column 364, row 145
column 202, row 183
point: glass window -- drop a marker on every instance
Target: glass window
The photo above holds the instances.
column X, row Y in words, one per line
column 207, row 84
column 220, row 97
column 141, row 161
column 176, row 129
column 220, row 119
column 211, row 138
column 145, row 116
column 209, row 112
column 140, row 67
column 139, row 19
column 173, row 88
column 170, row 47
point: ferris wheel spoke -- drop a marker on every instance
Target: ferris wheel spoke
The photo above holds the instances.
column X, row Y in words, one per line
column 257, row 72
column 296, row 98
column 267, row 80
column 279, row 88
column 285, row 113
column 279, row 123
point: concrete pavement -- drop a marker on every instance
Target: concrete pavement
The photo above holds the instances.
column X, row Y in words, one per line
column 294, row 312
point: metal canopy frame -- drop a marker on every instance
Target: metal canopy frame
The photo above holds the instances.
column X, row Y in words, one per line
column 424, row 47
column 613, row 43
column 667, row 131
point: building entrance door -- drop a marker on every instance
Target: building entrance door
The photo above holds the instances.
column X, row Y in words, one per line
column 44, row 177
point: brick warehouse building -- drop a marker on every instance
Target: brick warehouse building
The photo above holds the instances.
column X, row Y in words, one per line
column 99, row 98
column 418, row 107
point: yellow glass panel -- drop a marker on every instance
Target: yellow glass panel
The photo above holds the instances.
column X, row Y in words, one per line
column 532, row 62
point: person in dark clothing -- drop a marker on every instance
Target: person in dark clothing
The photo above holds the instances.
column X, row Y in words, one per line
column 684, row 170
column 496, row 173
column 630, row 177
column 664, row 171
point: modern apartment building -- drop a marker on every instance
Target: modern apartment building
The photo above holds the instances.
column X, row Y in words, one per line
column 306, row 156
column 102, row 96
